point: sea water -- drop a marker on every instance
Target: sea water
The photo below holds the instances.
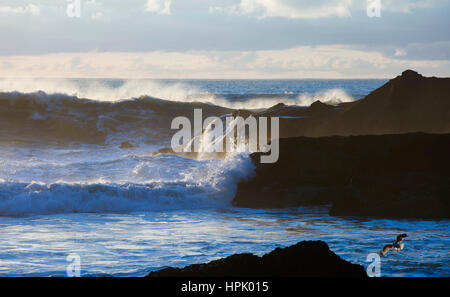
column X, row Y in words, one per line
column 66, row 187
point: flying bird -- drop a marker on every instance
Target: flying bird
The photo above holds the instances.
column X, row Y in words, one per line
column 396, row 246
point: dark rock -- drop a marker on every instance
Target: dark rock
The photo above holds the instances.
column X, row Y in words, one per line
column 411, row 74
column 125, row 145
column 276, row 109
column 395, row 176
column 320, row 106
column 391, row 175
column 277, row 106
column 242, row 113
column 166, row 150
column 281, row 109
column 406, row 104
column 307, row 258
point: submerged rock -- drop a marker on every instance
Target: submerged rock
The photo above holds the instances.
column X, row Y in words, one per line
column 306, row 258
column 125, row 145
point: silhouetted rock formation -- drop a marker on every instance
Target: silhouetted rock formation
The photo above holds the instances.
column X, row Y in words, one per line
column 395, row 176
column 307, row 258
column 408, row 103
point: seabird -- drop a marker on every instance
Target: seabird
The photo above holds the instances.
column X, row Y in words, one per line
column 396, row 246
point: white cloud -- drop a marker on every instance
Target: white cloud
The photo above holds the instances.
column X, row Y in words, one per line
column 400, row 52
column 405, row 6
column 97, row 16
column 307, row 9
column 292, row 9
column 332, row 61
column 30, row 8
column 159, row 6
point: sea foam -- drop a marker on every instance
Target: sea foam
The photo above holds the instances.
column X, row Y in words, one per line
column 203, row 184
column 99, row 90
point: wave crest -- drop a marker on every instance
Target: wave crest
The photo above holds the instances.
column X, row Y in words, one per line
column 115, row 91
column 67, row 111
column 212, row 184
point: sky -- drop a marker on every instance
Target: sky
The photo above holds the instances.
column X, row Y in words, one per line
column 224, row 38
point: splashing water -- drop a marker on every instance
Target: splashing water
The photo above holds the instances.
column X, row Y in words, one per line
column 116, row 90
column 127, row 212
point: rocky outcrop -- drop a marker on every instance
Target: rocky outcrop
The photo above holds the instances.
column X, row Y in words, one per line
column 390, row 175
column 406, row 104
column 393, row 176
column 307, row 258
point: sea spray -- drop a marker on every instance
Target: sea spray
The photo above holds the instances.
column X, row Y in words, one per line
column 118, row 90
column 216, row 136
column 202, row 184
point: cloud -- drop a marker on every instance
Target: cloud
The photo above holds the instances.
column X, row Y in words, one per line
column 30, row 8
column 406, row 6
column 159, row 6
column 97, row 15
column 429, row 50
column 306, row 9
column 400, row 52
column 291, row 9
column 331, row 61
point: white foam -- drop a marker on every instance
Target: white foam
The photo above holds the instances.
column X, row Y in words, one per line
column 180, row 92
column 98, row 90
column 331, row 96
column 203, row 184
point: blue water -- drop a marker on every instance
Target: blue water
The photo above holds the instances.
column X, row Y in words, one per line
column 134, row 244
column 354, row 87
column 126, row 212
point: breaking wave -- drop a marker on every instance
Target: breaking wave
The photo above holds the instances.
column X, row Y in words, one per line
column 333, row 97
column 205, row 184
column 114, row 91
column 100, row 90
column 85, row 111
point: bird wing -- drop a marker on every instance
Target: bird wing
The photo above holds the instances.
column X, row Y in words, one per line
column 386, row 249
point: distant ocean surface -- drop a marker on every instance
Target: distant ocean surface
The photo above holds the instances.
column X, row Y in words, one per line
column 66, row 186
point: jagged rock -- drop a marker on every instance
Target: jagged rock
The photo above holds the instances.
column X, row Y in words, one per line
column 406, row 104
column 306, row 258
column 319, row 107
column 411, row 74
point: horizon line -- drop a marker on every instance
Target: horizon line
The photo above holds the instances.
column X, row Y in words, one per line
column 201, row 78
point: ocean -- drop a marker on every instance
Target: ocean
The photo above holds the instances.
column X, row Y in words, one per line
column 66, row 186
